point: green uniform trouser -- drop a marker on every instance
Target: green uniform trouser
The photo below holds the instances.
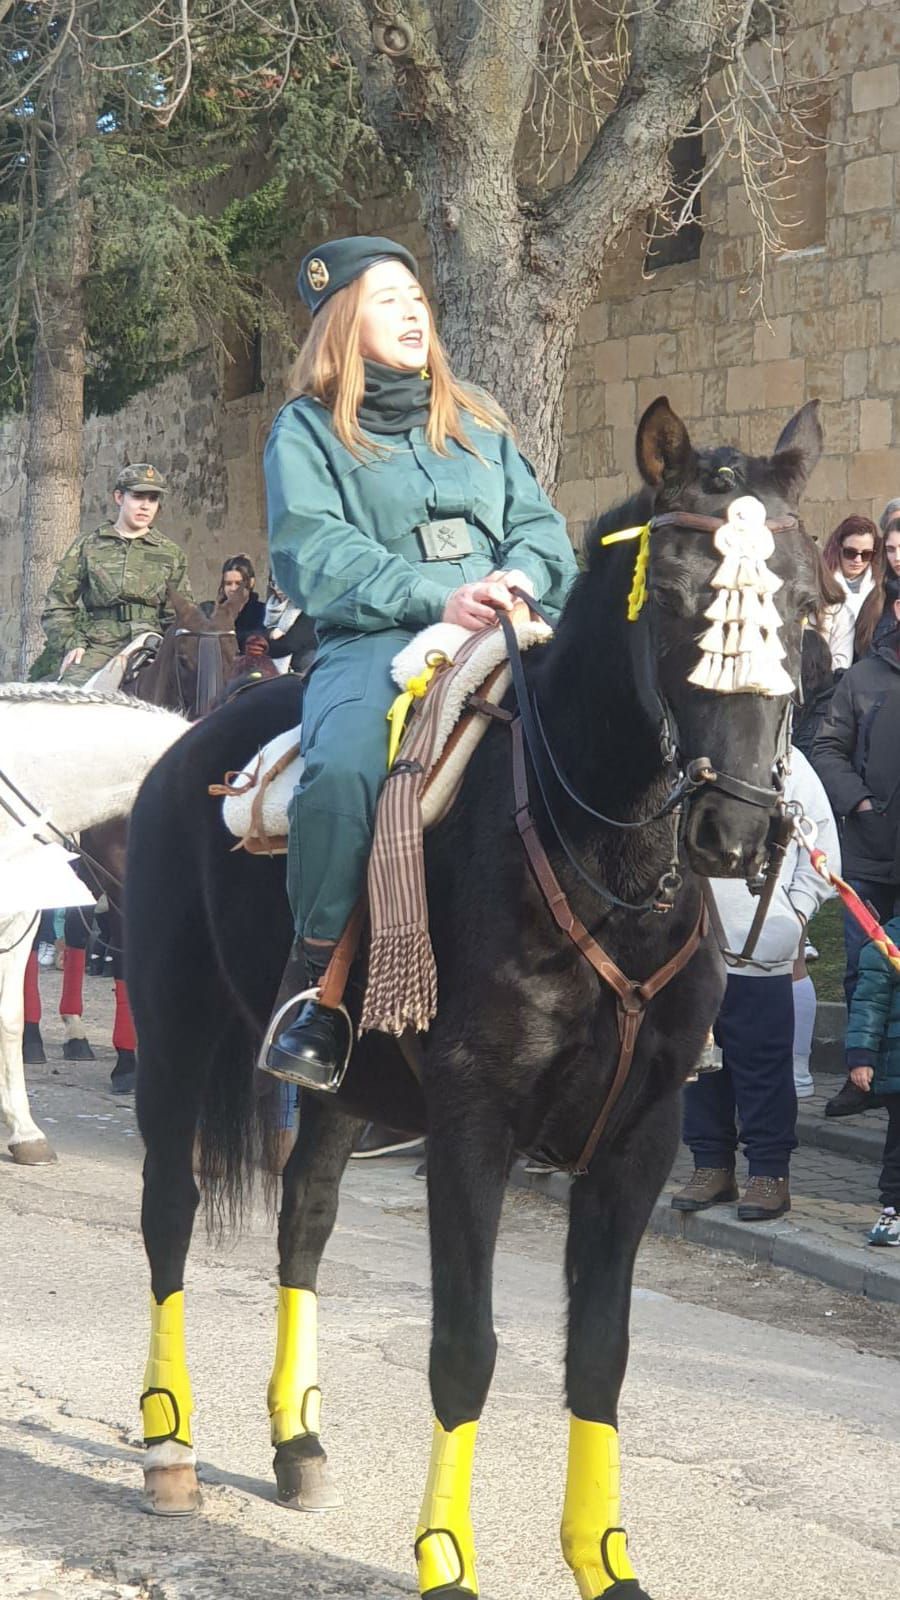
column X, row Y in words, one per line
column 344, row 742
column 117, row 637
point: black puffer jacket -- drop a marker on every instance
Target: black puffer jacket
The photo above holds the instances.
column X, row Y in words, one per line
column 857, row 756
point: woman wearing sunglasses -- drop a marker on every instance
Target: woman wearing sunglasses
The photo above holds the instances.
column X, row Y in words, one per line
column 854, row 555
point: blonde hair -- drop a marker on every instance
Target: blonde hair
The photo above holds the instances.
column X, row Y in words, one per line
column 330, row 368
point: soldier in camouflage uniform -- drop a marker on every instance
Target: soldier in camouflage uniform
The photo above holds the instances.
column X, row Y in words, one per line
column 111, row 584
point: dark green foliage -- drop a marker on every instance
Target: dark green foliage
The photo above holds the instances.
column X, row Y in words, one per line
column 187, row 210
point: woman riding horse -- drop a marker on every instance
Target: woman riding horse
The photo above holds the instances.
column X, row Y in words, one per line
column 397, row 498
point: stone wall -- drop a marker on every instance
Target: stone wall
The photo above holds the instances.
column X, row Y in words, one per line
column 829, row 325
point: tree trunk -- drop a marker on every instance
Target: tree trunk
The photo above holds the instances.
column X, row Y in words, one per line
column 53, row 464
column 506, row 325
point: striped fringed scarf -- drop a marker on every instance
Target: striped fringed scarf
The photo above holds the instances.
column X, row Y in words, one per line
column 401, row 991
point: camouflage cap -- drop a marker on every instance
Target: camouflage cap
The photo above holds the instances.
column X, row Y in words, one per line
column 140, row 476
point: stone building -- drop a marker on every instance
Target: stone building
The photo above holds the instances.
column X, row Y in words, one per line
column 829, row 326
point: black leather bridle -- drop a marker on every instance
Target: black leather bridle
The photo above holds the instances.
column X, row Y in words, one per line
column 210, row 672
column 689, row 776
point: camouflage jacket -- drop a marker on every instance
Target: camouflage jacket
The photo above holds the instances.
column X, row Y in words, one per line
column 108, row 588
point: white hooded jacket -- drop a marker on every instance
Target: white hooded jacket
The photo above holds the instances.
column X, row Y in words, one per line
column 798, row 894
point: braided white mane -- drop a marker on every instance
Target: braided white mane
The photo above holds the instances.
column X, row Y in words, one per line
column 741, row 652
column 60, row 694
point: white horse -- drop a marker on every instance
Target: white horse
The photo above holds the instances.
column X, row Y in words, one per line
column 69, row 759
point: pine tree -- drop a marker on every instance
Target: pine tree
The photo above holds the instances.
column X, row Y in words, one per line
column 118, row 123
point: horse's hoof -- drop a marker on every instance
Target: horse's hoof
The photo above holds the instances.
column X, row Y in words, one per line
column 78, row 1050
column 306, row 1485
column 32, row 1153
column 172, row 1491
column 33, row 1046
column 123, row 1083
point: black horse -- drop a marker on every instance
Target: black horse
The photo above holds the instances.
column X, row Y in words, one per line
column 527, row 1039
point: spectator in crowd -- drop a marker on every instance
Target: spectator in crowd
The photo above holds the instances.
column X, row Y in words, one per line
column 238, row 575
column 854, row 556
column 873, row 1060
column 857, row 756
column 816, row 689
column 755, row 1029
column 876, row 616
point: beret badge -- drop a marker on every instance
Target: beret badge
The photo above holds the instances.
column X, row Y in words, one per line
column 317, row 274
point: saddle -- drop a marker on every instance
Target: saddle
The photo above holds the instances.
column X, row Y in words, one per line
column 473, row 674
column 125, row 664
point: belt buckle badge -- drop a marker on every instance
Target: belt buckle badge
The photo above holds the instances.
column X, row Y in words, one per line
column 446, row 539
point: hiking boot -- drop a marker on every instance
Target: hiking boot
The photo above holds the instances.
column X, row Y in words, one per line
column 377, row 1140
column 764, row 1199
column 709, row 1186
column 850, row 1101
column 886, row 1229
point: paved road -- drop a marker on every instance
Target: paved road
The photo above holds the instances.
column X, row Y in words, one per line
column 759, row 1461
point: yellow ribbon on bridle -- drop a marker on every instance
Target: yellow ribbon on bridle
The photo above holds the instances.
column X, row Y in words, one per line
column 637, row 594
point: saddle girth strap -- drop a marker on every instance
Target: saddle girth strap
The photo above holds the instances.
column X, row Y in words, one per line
column 632, row 999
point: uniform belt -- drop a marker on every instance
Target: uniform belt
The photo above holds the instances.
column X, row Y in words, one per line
column 125, row 611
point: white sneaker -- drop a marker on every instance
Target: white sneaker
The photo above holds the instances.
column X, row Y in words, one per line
column 886, row 1229
column 46, row 954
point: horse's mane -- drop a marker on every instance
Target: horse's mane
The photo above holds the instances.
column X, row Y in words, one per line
column 58, row 694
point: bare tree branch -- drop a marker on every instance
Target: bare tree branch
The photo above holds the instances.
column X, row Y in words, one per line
column 625, row 171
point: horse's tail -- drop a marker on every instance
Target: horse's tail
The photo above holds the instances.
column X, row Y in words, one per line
column 237, row 1131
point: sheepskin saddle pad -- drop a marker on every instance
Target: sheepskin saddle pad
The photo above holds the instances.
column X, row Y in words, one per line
column 256, row 799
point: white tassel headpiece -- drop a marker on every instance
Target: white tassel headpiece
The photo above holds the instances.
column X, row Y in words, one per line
column 741, row 652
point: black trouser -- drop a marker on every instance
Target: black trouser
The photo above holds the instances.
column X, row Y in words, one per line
column 755, row 1087
column 889, row 1182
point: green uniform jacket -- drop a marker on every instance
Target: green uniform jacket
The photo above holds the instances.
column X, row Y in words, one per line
column 109, row 588
column 873, row 1024
column 341, row 530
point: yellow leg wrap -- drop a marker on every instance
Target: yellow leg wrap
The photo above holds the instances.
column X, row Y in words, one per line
column 445, row 1545
column 295, row 1401
column 167, row 1402
column 593, row 1544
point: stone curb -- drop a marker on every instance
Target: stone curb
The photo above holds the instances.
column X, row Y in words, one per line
column 782, row 1244
column 842, row 1137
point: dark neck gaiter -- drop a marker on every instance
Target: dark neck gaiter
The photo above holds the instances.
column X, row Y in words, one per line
column 393, row 401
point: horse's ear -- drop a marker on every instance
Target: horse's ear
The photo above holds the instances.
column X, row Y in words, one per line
column 230, row 609
column 798, row 450
column 663, row 444
column 179, row 604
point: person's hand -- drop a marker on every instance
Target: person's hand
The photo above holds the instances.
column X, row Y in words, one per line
column 475, row 605
column 512, row 578
column 864, row 805
column 862, row 1077
column 72, row 658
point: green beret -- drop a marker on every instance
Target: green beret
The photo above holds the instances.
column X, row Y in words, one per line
column 341, row 261
column 140, row 476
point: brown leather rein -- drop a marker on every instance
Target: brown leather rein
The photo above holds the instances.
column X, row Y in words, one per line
column 632, row 998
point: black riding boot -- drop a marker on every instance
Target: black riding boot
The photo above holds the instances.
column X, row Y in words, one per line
column 312, row 1049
